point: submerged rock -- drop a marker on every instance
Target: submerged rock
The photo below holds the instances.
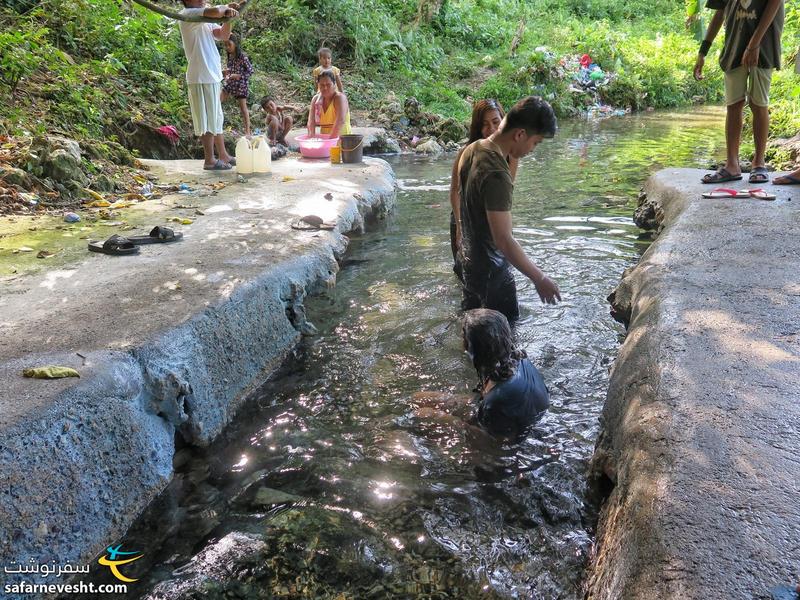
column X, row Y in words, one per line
column 430, row 147
column 649, row 214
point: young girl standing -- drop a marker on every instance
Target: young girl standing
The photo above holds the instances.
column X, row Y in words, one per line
column 237, row 79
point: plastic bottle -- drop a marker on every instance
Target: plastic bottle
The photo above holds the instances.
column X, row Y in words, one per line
column 262, row 156
column 244, row 156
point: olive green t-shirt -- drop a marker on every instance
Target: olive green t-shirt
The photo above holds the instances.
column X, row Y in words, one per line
column 741, row 20
column 485, row 184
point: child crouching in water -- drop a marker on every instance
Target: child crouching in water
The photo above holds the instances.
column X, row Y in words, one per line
column 511, row 393
column 237, row 79
column 278, row 124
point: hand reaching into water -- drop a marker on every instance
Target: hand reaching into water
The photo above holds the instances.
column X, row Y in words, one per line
column 548, row 290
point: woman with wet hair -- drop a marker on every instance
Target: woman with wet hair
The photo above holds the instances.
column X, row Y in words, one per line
column 486, row 118
column 512, row 391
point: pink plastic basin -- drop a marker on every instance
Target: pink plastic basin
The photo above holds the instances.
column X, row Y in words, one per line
column 316, row 146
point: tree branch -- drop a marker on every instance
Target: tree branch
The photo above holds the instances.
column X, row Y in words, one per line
column 179, row 17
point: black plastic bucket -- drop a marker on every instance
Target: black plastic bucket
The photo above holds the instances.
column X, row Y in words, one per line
column 352, row 148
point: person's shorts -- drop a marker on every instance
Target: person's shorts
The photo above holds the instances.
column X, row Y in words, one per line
column 753, row 84
column 495, row 289
column 206, row 107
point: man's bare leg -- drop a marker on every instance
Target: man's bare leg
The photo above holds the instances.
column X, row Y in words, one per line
column 219, row 142
column 207, row 139
column 760, row 133
column 733, row 137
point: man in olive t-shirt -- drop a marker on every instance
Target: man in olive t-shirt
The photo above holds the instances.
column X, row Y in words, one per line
column 488, row 248
column 752, row 50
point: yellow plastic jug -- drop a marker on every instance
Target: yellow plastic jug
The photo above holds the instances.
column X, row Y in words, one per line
column 262, row 155
column 244, row 156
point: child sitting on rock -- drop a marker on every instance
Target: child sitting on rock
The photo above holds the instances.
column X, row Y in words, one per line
column 326, row 64
column 278, row 124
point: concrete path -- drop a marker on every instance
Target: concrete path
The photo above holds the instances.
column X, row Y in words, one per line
column 171, row 340
column 700, row 429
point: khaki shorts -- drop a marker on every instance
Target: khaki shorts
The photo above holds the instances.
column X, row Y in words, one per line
column 206, row 107
column 752, row 84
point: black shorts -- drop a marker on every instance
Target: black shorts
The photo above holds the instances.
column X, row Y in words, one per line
column 493, row 288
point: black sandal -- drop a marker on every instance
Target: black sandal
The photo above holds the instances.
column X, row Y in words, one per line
column 158, row 235
column 759, row 175
column 115, row 245
column 720, row 176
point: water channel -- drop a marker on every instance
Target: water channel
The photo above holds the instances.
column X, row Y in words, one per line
column 330, row 487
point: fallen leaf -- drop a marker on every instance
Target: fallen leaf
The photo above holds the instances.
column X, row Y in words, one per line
column 91, row 193
column 137, row 197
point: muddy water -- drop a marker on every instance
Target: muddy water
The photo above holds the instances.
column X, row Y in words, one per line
column 331, row 487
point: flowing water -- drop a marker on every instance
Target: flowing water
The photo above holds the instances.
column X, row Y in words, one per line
column 331, row 486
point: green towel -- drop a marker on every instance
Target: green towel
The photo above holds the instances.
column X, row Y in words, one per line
column 50, row 372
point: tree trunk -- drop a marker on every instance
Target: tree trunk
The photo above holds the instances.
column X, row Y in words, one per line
column 427, row 10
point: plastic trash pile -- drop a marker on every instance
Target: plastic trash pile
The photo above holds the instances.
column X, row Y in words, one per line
column 587, row 77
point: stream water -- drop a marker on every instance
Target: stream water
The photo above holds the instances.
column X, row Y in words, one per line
column 330, row 487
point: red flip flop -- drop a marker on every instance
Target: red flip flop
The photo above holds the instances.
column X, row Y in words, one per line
column 726, row 193
column 760, row 194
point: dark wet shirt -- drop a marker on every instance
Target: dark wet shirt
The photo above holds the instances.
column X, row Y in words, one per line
column 485, row 184
column 741, row 20
column 514, row 404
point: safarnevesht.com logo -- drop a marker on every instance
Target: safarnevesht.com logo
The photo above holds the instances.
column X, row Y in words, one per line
column 114, row 558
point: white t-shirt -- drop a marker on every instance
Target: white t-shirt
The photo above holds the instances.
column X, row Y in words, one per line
column 201, row 49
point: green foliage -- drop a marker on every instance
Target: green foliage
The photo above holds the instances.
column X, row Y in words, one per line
column 93, row 65
column 21, row 53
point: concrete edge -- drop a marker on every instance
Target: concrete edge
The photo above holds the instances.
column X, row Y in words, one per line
column 107, row 442
column 634, row 417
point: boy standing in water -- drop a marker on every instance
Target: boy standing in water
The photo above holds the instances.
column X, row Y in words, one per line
column 204, row 77
column 488, row 247
column 326, row 63
column 752, row 50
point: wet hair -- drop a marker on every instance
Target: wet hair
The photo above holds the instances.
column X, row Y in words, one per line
column 234, row 39
column 266, row 100
column 324, row 50
column 534, row 115
column 478, row 113
column 327, row 73
column 487, row 336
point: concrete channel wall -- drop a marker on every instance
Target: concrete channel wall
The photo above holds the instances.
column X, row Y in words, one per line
column 169, row 342
column 700, row 429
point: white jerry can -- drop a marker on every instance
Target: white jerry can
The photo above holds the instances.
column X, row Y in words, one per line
column 262, row 155
column 244, row 156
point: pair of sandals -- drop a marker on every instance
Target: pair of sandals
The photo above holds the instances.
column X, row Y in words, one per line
column 221, row 165
column 722, row 175
column 118, row 245
column 757, row 193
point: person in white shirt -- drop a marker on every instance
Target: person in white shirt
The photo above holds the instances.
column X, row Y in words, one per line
column 204, row 77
